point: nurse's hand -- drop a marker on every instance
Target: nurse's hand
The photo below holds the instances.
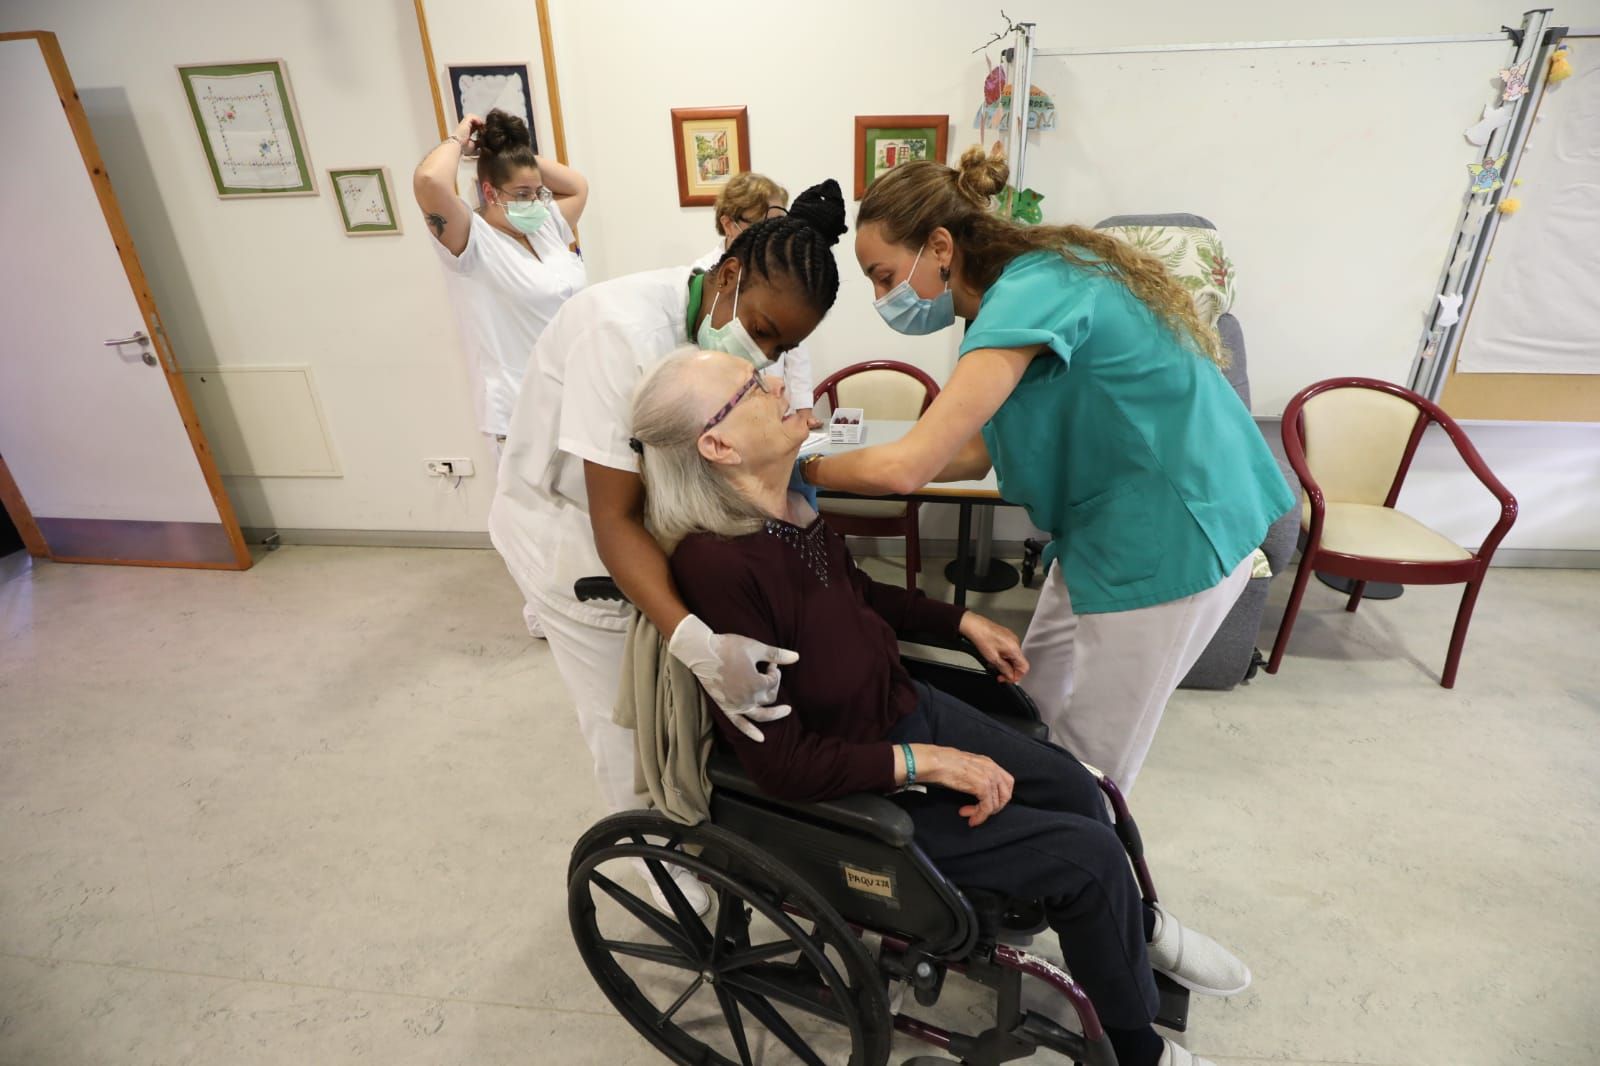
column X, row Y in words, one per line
column 731, row 669
column 998, row 646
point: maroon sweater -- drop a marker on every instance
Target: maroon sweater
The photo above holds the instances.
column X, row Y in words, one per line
column 800, row 589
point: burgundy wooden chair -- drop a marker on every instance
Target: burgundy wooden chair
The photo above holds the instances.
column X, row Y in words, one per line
column 883, row 389
column 1351, row 441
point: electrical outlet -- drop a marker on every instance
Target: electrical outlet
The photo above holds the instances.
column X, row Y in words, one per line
column 448, row 467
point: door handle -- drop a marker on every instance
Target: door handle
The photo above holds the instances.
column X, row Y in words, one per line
column 137, row 338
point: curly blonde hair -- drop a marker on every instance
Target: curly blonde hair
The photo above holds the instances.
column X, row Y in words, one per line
column 914, row 199
column 746, row 194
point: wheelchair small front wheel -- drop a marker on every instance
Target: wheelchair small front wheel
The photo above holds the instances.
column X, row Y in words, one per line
column 772, row 975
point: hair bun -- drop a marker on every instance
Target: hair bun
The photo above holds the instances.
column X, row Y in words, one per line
column 822, row 208
column 502, row 132
column 981, row 175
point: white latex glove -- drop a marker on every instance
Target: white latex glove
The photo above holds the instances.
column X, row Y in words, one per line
column 728, row 666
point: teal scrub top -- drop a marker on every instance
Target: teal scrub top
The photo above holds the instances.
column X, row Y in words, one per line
column 1133, row 451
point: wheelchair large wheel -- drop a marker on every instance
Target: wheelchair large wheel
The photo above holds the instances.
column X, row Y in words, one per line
column 771, row 975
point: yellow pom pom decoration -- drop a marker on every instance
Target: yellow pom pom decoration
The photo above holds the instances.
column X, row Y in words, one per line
column 1510, row 206
column 1560, row 66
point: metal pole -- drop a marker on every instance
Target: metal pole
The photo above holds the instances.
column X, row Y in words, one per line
column 1242, row 46
column 1475, row 227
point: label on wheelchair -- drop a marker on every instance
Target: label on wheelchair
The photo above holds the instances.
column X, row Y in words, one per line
column 877, row 883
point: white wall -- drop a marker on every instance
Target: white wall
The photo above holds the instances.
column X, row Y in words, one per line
column 249, row 282
column 261, row 281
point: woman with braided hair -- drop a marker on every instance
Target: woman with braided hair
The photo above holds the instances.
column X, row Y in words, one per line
column 746, row 199
column 1090, row 384
column 570, row 504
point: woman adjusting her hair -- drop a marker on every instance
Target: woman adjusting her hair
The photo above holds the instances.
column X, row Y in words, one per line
column 508, row 265
column 570, row 504
column 1090, row 384
column 746, row 199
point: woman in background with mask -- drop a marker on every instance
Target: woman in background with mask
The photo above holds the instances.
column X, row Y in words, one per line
column 746, row 199
column 570, row 503
column 1090, row 384
column 508, row 264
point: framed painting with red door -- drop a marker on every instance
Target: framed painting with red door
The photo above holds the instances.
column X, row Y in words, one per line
column 884, row 142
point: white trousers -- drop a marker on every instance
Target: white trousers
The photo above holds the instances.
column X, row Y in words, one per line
column 1102, row 681
column 530, row 613
column 589, row 659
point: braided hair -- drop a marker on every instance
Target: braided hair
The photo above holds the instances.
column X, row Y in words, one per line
column 798, row 245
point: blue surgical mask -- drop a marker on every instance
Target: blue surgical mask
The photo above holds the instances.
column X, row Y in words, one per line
column 907, row 312
column 527, row 217
column 732, row 338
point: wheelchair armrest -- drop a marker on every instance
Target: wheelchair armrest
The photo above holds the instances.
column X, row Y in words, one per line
column 864, row 812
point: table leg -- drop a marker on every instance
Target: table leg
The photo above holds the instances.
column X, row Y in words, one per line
column 981, row 572
column 958, row 570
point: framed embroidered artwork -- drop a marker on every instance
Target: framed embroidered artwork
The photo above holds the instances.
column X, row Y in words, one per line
column 711, row 144
column 480, row 88
column 884, row 142
column 248, row 127
column 365, row 204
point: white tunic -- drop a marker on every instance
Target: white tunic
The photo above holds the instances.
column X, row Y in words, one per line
column 577, row 405
column 794, row 365
column 504, row 298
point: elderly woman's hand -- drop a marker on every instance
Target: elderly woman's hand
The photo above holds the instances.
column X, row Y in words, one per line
column 998, row 646
column 961, row 771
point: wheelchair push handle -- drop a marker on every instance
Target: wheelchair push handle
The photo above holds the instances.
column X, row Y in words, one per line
column 586, row 589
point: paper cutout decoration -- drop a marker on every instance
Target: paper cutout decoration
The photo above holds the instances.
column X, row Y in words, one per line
column 1486, row 176
column 1493, row 119
column 1477, row 213
column 1449, row 309
column 1515, row 80
column 1026, row 210
column 995, row 114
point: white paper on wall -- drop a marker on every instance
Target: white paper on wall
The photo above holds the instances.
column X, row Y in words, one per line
column 1538, row 305
column 247, row 125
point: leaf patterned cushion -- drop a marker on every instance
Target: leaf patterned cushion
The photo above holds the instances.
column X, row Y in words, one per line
column 1195, row 256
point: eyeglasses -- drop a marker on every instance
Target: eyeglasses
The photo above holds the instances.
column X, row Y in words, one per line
column 781, row 211
column 727, row 408
column 542, row 194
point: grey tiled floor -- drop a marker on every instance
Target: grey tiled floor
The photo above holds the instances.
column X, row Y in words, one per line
column 321, row 811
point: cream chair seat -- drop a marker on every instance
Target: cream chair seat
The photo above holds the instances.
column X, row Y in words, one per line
column 1381, row 532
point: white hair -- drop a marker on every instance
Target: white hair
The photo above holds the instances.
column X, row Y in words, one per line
column 684, row 493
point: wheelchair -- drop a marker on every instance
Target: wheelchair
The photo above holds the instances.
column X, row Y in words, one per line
column 819, row 909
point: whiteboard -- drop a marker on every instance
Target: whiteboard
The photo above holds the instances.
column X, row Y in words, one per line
column 1537, row 309
column 1335, row 177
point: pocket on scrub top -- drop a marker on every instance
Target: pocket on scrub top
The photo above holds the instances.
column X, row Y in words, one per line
column 1110, row 534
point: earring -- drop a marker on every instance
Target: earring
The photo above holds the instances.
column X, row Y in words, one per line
column 944, row 273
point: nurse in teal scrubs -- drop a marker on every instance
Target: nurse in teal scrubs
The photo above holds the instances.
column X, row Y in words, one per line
column 1089, row 383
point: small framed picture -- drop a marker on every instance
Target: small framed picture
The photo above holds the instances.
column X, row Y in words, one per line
column 712, row 144
column 249, row 129
column 365, row 205
column 480, row 88
column 883, row 142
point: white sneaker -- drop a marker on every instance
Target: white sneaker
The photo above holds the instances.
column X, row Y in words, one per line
column 687, row 883
column 1195, row 961
column 1174, row 1055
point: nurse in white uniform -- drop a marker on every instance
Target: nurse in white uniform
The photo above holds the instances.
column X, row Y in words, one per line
column 509, row 265
column 570, row 503
column 746, row 199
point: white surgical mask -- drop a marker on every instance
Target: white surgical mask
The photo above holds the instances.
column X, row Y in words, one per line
column 732, row 338
column 907, row 312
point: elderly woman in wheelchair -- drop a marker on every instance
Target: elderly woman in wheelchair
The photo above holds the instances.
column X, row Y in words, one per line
column 883, row 814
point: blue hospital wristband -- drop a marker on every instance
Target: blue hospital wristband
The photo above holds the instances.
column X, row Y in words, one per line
column 911, row 763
